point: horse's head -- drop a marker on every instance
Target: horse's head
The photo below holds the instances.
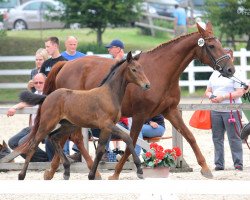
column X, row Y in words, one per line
column 4, row 150
column 135, row 72
column 212, row 53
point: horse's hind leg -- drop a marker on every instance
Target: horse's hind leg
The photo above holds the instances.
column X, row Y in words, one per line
column 176, row 120
column 77, row 138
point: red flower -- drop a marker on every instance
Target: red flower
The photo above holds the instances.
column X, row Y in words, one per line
column 148, row 154
column 177, row 151
column 159, row 155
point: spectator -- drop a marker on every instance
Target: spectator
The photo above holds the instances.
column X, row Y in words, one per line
column 153, row 127
column 180, row 21
column 52, row 47
column 19, row 138
column 41, row 56
column 71, row 53
column 218, row 90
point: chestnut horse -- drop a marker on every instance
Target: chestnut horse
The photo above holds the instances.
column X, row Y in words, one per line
column 163, row 66
column 104, row 111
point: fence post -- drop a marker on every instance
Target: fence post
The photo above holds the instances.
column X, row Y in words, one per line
column 191, row 78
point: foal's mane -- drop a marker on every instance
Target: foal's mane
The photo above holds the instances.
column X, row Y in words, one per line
column 112, row 71
column 170, row 42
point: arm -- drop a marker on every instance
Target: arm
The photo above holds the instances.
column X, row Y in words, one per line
column 12, row 110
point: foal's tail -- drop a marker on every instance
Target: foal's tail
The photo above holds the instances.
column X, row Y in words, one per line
column 50, row 83
column 24, row 148
column 31, row 98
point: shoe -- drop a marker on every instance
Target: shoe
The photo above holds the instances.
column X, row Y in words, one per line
column 217, row 168
column 239, row 168
column 77, row 157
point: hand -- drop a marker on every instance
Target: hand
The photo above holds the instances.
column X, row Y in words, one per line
column 153, row 124
column 30, row 84
column 217, row 99
column 11, row 112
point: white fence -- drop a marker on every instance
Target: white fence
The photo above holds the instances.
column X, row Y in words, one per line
column 191, row 70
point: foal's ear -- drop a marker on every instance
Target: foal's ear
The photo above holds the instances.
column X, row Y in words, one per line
column 137, row 56
column 129, row 57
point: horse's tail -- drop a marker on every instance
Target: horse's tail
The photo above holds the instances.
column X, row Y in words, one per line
column 31, row 98
column 50, row 83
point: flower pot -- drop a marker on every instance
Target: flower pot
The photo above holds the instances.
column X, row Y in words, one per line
column 156, row 172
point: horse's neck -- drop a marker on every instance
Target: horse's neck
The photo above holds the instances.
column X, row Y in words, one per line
column 177, row 54
column 117, row 85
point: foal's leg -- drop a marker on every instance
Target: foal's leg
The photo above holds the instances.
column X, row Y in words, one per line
column 49, row 173
column 176, row 120
column 77, row 138
column 129, row 142
column 103, row 139
column 134, row 132
column 55, row 139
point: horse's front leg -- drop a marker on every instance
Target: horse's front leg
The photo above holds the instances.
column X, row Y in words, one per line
column 134, row 133
column 77, row 138
column 174, row 116
column 103, row 139
column 129, row 142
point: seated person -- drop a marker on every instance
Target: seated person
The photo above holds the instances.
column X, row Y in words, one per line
column 153, row 127
column 19, row 138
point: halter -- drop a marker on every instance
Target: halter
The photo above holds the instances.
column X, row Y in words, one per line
column 216, row 62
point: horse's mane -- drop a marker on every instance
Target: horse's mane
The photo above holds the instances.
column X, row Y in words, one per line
column 170, row 42
column 112, row 71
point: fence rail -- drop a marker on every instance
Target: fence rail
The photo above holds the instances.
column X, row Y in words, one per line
column 191, row 70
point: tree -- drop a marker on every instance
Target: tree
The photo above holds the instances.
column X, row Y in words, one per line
column 97, row 14
column 232, row 16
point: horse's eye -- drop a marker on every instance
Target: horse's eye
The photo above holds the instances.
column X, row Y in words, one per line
column 211, row 46
column 133, row 70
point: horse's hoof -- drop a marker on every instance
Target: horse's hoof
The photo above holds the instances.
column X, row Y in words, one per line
column 47, row 175
column 66, row 177
column 98, row 177
column 20, row 177
column 207, row 173
column 113, row 177
column 140, row 176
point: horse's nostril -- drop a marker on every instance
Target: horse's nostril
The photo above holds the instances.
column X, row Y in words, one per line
column 147, row 86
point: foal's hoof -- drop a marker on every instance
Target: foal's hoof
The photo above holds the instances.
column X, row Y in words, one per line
column 207, row 173
column 20, row 177
column 139, row 175
column 47, row 175
column 98, row 177
column 66, row 177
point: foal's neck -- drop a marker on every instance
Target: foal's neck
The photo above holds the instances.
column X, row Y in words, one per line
column 117, row 84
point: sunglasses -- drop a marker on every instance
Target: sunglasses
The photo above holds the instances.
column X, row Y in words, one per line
column 39, row 82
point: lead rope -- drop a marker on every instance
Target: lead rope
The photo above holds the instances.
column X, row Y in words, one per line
column 239, row 117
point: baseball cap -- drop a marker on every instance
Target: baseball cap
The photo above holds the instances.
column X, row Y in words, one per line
column 116, row 43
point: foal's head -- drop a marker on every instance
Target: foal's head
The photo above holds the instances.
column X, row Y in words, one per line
column 135, row 73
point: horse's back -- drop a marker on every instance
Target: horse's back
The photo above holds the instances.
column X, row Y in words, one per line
column 84, row 73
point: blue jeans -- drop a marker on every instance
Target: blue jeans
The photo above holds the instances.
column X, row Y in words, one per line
column 149, row 131
column 220, row 125
column 19, row 138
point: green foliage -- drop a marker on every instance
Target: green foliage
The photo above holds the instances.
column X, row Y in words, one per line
column 98, row 15
column 232, row 16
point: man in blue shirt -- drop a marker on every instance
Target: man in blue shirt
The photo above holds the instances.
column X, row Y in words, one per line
column 180, row 21
column 71, row 53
